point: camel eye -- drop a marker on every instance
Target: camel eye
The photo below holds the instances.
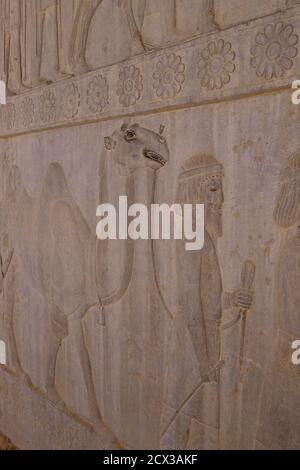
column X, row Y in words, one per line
column 130, row 135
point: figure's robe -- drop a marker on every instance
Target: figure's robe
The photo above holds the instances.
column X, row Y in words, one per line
column 280, row 408
column 191, row 405
column 174, row 20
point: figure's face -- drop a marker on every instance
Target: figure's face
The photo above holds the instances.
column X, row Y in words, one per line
column 134, row 147
column 214, row 200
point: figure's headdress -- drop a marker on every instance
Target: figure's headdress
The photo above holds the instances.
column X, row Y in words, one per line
column 287, row 208
column 291, row 170
column 194, row 173
column 201, row 166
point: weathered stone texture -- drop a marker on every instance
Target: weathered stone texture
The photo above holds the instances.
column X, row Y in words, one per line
column 6, row 444
column 134, row 345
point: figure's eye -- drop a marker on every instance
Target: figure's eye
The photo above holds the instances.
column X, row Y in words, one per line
column 130, row 135
column 213, row 186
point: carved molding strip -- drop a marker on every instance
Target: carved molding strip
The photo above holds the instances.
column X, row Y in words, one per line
column 249, row 59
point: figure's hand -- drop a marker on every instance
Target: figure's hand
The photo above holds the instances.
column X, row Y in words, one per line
column 243, row 298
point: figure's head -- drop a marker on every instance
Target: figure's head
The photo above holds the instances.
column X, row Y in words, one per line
column 200, row 182
column 287, row 209
column 135, row 147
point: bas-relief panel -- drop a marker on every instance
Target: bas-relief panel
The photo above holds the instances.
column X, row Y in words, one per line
column 196, row 406
column 139, row 345
column 46, row 40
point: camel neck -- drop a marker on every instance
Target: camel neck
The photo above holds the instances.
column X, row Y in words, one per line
column 144, row 183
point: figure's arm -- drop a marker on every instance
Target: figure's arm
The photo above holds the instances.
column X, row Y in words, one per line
column 242, row 298
column 137, row 45
column 139, row 10
column 83, row 17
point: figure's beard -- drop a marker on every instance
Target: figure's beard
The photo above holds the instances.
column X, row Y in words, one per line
column 214, row 221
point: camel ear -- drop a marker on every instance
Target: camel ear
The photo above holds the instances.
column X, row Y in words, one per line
column 124, row 126
column 109, row 143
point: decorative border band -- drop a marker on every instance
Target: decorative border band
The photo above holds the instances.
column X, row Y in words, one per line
column 249, row 59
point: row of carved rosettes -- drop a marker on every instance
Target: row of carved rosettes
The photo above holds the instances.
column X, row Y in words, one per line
column 252, row 58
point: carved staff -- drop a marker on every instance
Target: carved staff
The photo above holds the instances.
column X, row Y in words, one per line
column 247, row 281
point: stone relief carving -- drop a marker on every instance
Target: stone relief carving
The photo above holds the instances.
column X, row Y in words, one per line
column 46, row 40
column 186, row 397
column 76, row 332
column 235, row 357
column 282, row 377
column 8, row 116
column 83, row 17
column 274, row 51
column 49, row 65
column 31, row 50
column 65, row 250
column 47, row 106
column 15, row 211
column 71, row 101
column 38, row 49
column 173, row 20
column 127, row 331
column 13, row 52
column 147, row 25
column 191, row 415
column 130, row 85
column 216, row 65
column 169, row 76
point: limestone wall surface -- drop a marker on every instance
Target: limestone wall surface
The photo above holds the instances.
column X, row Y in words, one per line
column 125, row 344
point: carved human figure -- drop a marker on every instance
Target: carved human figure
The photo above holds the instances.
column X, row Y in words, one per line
column 31, row 43
column 56, row 16
column 64, row 247
column 280, row 407
column 192, row 402
column 45, row 40
column 83, row 17
column 173, row 20
column 12, row 51
column 143, row 25
column 127, row 331
column 15, row 212
column 150, row 24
